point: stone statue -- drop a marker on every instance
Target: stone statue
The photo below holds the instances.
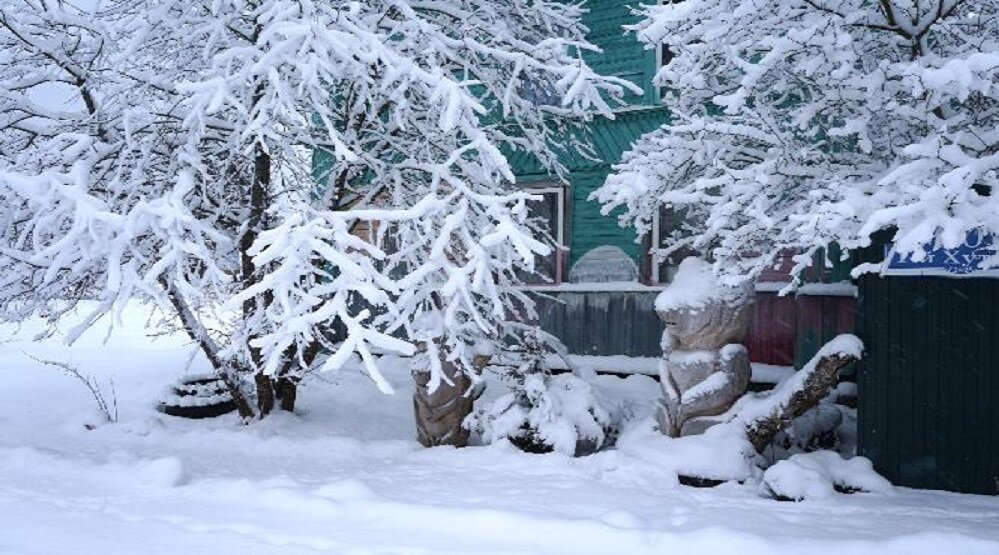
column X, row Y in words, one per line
column 705, row 367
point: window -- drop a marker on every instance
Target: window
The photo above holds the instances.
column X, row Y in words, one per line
column 551, row 210
column 661, row 267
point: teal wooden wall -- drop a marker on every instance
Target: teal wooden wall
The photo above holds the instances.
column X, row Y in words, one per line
column 623, row 56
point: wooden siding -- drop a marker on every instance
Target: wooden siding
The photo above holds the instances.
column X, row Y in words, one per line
column 818, row 319
column 587, row 228
column 928, row 413
column 603, row 322
column 772, row 332
column 621, row 54
column 625, row 323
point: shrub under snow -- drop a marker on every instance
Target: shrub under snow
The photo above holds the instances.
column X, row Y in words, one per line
column 819, row 474
column 546, row 413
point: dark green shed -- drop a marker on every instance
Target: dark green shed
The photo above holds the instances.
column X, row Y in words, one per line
column 928, row 412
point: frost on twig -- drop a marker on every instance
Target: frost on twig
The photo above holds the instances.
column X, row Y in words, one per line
column 275, row 173
column 811, row 123
column 108, row 406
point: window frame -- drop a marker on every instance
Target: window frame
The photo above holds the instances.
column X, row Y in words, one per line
column 560, row 236
column 658, row 89
column 656, row 261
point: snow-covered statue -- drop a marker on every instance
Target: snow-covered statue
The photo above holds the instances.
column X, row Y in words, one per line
column 705, row 367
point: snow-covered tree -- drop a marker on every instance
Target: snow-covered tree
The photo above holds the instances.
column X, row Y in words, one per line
column 181, row 168
column 800, row 123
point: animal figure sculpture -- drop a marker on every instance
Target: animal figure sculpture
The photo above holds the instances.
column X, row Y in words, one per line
column 705, row 367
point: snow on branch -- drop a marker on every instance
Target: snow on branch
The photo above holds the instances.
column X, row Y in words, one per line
column 222, row 157
column 765, row 416
column 799, row 124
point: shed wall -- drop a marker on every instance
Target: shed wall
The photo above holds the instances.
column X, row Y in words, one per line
column 928, row 412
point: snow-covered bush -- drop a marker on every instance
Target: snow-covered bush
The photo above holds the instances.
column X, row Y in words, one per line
column 178, row 163
column 549, row 413
column 820, row 474
column 799, row 123
column 542, row 412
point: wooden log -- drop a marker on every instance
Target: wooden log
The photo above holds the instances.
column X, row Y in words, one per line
column 800, row 393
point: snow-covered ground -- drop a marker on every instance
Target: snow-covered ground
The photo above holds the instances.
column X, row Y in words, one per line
column 346, row 476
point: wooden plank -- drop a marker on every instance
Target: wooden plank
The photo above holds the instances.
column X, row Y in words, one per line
column 772, row 331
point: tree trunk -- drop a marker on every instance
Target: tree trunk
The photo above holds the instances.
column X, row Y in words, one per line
column 441, row 413
column 259, row 186
column 265, row 394
column 199, row 335
column 286, row 391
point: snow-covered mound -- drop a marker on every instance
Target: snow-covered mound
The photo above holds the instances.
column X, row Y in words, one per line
column 820, row 474
column 721, row 453
column 560, row 413
column 345, row 475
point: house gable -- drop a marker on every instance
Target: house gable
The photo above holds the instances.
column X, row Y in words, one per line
column 621, row 55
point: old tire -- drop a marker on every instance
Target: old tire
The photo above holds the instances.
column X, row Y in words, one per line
column 198, row 397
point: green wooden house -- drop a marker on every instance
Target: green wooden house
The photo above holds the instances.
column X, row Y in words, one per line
column 623, row 56
column 606, row 278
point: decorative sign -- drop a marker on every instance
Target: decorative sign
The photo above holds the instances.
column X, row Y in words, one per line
column 967, row 260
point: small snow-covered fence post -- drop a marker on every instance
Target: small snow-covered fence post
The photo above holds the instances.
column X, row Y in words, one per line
column 803, row 391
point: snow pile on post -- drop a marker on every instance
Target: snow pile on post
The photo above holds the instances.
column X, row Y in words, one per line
column 694, row 286
column 705, row 367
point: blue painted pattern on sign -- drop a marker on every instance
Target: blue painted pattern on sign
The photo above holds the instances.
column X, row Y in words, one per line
column 967, row 260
